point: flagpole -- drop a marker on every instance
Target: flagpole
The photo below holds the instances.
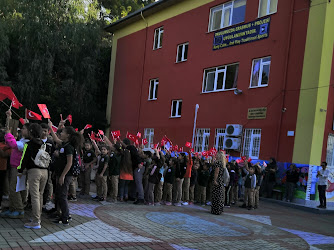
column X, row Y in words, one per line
column 195, row 120
column 11, row 110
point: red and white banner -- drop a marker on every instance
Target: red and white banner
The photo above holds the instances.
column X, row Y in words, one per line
column 144, row 141
column 22, row 121
column 54, row 128
column 32, row 115
column 188, row 144
column 139, row 135
column 69, row 118
column 44, row 110
column 101, row 132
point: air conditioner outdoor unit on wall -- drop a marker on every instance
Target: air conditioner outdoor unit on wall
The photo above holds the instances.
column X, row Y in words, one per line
column 232, row 143
column 233, row 130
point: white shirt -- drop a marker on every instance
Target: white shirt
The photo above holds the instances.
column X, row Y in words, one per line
column 323, row 177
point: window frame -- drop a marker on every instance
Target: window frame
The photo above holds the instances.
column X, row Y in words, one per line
column 202, row 139
column 183, row 52
column 160, row 31
column 222, row 7
column 268, row 8
column 253, row 136
column 178, row 101
column 259, row 81
column 219, row 132
column 155, row 81
column 149, row 135
column 217, row 71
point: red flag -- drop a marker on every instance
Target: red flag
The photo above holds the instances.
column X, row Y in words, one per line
column 32, row 115
column 181, row 149
column 249, row 159
column 137, row 142
column 116, row 134
column 22, row 121
column 7, row 92
column 227, row 157
column 76, row 129
column 156, row 145
column 69, row 118
column 94, row 137
column 131, row 137
column 88, row 126
column 101, row 132
column 192, row 150
column 213, row 151
column 205, row 153
column 139, row 135
column 54, row 128
column 188, row 144
column 15, row 103
column 164, row 140
column 44, row 110
column 244, row 158
column 144, row 141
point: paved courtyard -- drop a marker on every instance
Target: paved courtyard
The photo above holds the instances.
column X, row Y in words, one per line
column 126, row 226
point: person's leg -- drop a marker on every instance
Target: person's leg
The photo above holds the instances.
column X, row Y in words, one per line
column 34, row 179
column 126, row 189
column 121, row 189
column 15, row 198
column 175, row 190
column 49, row 186
column 138, row 176
column 185, row 188
column 179, row 192
column 104, row 187
column 251, row 198
column 73, row 189
column 6, row 184
column 114, row 181
column 158, row 192
column 164, row 195
column 98, row 182
column 257, row 196
column 191, row 193
column 62, row 194
column 151, row 192
column 2, row 184
column 322, row 190
column 246, row 200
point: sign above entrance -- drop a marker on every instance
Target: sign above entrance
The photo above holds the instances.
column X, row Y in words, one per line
column 257, row 113
column 245, row 33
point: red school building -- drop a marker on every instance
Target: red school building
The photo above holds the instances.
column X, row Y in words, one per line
column 265, row 65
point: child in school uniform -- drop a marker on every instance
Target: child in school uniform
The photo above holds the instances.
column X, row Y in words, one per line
column 193, row 181
column 89, row 159
column 203, row 180
column 168, row 181
column 250, row 185
column 102, row 174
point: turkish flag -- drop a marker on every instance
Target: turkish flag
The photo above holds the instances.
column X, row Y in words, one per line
column 181, row 149
column 249, row 159
column 15, row 103
column 144, row 141
column 69, row 118
column 76, row 129
column 101, row 132
column 116, row 134
column 164, row 140
column 205, row 153
column 22, row 121
column 32, row 115
column 54, row 128
column 7, row 92
column 88, row 126
column 192, row 150
column 44, row 110
column 139, row 135
column 188, row 144
column 92, row 136
column 131, row 137
column 156, row 145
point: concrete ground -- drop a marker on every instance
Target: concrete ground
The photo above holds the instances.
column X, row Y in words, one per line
column 97, row 225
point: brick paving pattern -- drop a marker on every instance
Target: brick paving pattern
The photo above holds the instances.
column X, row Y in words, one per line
column 126, row 226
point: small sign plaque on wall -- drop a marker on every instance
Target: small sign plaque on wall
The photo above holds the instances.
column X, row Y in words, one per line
column 257, row 113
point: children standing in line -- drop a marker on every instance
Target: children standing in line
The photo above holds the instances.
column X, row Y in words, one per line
column 102, row 174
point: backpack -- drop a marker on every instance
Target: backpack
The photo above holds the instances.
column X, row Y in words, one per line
column 76, row 167
column 42, row 158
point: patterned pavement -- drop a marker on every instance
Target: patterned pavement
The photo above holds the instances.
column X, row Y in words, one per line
column 126, row 226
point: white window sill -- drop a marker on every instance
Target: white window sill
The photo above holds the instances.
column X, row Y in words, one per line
column 256, row 87
column 259, row 17
column 181, row 61
column 216, row 91
column 154, row 99
column 157, row 48
column 175, row 117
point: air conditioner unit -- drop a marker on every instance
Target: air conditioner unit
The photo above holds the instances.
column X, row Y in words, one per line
column 232, row 143
column 233, row 130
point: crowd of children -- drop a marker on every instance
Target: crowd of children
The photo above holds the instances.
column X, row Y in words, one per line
column 54, row 162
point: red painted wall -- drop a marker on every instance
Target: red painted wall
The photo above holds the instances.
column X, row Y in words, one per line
column 184, row 80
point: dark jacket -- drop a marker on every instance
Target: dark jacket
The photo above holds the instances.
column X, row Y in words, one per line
column 31, row 151
column 114, row 164
column 170, row 175
column 193, row 178
column 292, row 176
column 203, row 178
column 135, row 159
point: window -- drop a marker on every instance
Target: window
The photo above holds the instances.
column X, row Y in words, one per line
column 267, row 7
column 252, row 140
column 202, row 139
column 219, row 140
column 260, row 72
column 220, row 78
column 182, row 52
column 148, row 135
column 153, row 92
column 158, row 35
column 227, row 14
column 176, row 108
